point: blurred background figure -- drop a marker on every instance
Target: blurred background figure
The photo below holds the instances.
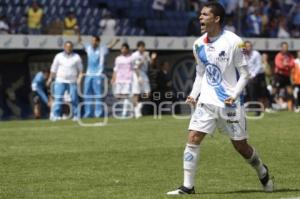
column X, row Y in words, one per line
column 4, row 27
column 256, row 87
column 41, row 98
column 296, row 82
column 34, row 19
column 284, row 63
column 268, row 79
column 70, row 24
column 158, row 7
column 93, row 80
column 67, row 70
column 108, row 25
column 141, row 84
column 122, row 77
column 164, row 83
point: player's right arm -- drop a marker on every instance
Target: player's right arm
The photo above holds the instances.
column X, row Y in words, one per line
column 79, row 40
column 114, row 75
column 53, row 70
column 241, row 65
column 192, row 98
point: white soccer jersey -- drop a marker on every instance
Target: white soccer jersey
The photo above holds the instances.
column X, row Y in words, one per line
column 144, row 58
column 67, row 67
column 218, row 62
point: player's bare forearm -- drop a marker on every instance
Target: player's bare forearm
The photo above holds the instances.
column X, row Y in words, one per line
column 51, row 77
column 114, row 42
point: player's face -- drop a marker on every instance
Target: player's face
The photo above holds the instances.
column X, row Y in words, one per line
column 248, row 47
column 124, row 50
column 141, row 48
column 207, row 20
column 95, row 42
column 68, row 48
column 284, row 48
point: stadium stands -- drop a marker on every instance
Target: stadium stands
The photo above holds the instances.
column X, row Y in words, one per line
column 137, row 17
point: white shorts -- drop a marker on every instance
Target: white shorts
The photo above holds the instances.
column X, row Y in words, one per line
column 122, row 89
column 140, row 87
column 231, row 121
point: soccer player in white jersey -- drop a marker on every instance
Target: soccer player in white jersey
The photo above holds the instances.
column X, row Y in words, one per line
column 141, row 85
column 67, row 70
column 221, row 76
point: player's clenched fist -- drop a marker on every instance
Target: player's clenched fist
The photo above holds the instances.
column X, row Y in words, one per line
column 191, row 101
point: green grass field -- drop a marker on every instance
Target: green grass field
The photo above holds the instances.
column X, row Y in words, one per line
column 139, row 159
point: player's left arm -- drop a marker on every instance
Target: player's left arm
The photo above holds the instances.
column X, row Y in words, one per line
column 112, row 43
column 239, row 60
column 80, row 70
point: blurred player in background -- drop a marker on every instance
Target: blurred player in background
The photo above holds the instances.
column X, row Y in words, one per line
column 256, row 88
column 284, row 63
column 141, row 85
column 40, row 94
column 296, row 82
column 219, row 55
column 122, row 76
column 93, row 81
column 67, row 71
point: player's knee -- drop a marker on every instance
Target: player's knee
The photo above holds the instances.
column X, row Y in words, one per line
column 195, row 137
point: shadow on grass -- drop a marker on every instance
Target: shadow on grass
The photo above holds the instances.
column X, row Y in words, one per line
column 250, row 191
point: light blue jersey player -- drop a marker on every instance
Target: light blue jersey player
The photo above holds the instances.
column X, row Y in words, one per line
column 38, row 86
column 93, row 81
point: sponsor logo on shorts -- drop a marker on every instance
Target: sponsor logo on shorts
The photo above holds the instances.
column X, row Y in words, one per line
column 232, row 121
column 188, row 157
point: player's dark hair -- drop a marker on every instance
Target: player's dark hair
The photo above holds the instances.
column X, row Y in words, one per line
column 283, row 43
column 140, row 43
column 69, row 42
column 217, row 9
column 46, row 70
column 96, row 37
column 125, row 45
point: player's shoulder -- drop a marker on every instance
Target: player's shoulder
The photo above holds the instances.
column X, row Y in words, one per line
column 59, row 55
column 135, row 53
column 200, row 40
column 119, row 57
column 233, row 38
column 76, row 56
column 256, row 53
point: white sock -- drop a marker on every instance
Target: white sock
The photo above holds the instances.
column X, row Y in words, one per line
column 125, row 107
column 257, row 164
column 190, row 160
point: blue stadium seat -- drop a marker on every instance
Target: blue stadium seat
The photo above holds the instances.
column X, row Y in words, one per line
column 84, row 3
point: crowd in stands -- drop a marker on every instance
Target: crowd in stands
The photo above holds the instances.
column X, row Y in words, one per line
column 249, row 18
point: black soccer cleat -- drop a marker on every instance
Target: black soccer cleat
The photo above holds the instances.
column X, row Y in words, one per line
column 267, row 182
column 182, row 190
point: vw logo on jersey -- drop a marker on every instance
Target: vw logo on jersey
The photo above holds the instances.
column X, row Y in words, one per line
column 213, row 75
